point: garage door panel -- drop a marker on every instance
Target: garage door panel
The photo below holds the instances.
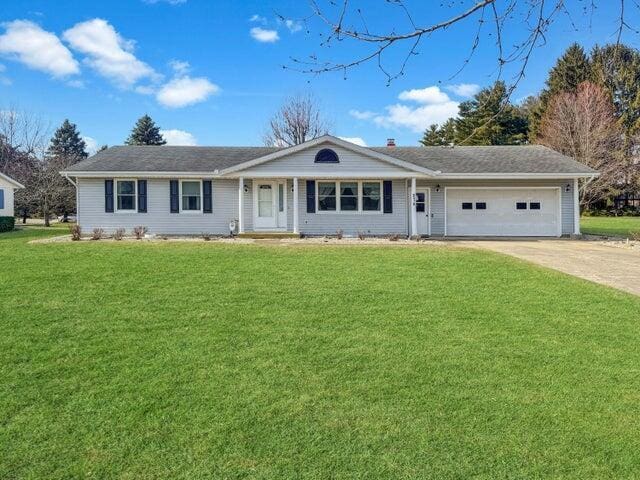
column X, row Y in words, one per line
column 501, row 217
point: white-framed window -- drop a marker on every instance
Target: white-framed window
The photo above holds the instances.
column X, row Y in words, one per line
column 326, row 195
column 372, row 196
column 191, row 196
column 126, row 195
column 349, row 196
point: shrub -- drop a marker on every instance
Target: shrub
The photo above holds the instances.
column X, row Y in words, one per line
column 7, row 224
column 98, row 233
column 119, row 234
column 394, row 238
column 139, row 232
column 361, row 235
column 206, row 236
column 75, row 231
column 339, row 234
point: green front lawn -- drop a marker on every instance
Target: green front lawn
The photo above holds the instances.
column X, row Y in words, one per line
column 202, row 360
column 616, row 226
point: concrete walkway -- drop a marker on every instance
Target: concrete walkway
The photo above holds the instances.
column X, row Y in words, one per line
column 615, row 266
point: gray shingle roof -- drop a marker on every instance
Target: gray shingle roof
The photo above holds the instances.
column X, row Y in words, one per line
column 524, row 159
column 488, row 159
column 168, row 158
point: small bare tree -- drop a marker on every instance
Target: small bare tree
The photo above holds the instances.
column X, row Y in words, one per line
column 299, row 119
column 583, row 125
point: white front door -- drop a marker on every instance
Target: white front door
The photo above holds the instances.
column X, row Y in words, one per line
column 265, row 208
column 423, row 211
column 270, row 205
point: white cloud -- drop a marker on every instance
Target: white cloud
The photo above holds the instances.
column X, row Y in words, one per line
column 417, row 118
column 178, row 137
column 145, row 89
column 428, row 95
column 38, row 49
column 293, row 25
column 366, row 115
column 184, row 91
column 92, row 145
column 435, row 106
column 76, row 83
column 258, row 19
column 107, row 52
column 181, row 68
column 464, row 89
column 263, row 35
column 356, row 140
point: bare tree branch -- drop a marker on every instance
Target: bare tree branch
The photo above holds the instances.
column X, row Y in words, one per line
column 299, row 119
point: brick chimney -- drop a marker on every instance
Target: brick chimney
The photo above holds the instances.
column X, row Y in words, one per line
column 391, row 142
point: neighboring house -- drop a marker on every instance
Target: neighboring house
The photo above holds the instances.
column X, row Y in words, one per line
column 328, row 184
column 7, row 188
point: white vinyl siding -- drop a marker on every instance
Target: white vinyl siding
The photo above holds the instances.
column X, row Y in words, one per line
column 437, row 198
column 302, row 164
column 353, row 222
column 158, row 218
column 7, row 211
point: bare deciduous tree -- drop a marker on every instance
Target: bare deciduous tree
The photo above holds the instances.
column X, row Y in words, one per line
column 23, row 137
column 515, row 28
column 583, row 125
column 299, row 119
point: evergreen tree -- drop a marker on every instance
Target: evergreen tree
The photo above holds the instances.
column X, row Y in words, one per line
column 145, row 132
column 432, row 136
column 617, row 69
column 570, row 70
column 440, row 135
column 448, row 132
column 489, row 119
column 67, row 145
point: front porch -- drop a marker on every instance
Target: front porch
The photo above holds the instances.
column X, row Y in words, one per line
column 270, row 207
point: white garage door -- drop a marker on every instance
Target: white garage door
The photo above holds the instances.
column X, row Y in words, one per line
column 515, row 212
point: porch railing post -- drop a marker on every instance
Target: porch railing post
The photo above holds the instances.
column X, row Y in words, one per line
column 241, row 205
column 296, row 227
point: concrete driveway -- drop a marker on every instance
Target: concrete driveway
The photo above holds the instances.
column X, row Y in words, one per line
column 615, row 266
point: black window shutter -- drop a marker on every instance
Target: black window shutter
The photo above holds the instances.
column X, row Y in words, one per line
column 387, row 197
column 1, row 198
column 108, row 196
column 142, row 196
column 174, row 196
column 311, row 196
column 207, row 197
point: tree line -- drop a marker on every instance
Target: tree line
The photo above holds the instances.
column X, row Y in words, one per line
column 589, row 109
column 29, row 156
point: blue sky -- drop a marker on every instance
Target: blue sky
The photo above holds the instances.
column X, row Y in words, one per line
column 211, row 71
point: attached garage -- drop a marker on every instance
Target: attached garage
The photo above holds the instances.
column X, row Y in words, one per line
column 504, row 211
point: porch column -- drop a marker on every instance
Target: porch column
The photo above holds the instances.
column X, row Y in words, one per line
column 296, row 227
column 414, row 215
column 240, row 205
column 576, row 207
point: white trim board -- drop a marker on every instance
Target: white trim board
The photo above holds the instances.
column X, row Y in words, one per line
column 11, row 181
